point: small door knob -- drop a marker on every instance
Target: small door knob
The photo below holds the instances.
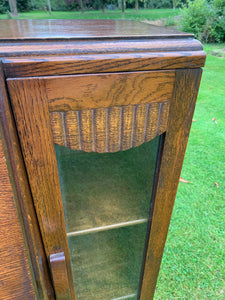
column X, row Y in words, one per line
column 60, row 276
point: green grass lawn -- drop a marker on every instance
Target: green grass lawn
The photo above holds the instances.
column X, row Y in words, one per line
column 193, row 265
column 142, row 14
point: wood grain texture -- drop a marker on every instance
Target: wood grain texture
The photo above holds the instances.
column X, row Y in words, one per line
column 118, row 47
column 30, row 109
column 23, row 200
column 101, row 63
column 105, row 46
column 99, row 112
column 81, row 92
column 28, row 30
column 109, row 129
column 180, row 118
column 15, row 276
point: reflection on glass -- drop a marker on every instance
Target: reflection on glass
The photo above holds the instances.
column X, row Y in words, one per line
column 106, row 200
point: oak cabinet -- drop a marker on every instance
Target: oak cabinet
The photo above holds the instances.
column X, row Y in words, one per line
column 99, row 113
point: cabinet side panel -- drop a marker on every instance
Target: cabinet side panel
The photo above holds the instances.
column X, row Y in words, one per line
column 15, row 277
column 23, row 200
column 33, row 123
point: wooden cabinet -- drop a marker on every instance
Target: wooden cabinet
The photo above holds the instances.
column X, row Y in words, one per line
column 96, row 117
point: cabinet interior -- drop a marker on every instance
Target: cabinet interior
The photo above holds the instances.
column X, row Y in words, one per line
column 107, row 201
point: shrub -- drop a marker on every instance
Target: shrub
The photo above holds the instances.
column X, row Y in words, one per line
column 206, row 20
column 4, row 6
column 23, row 5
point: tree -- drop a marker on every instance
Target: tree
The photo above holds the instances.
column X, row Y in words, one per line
column 32, row 3
column 49, row 7
column 176, row 3
column 123, row 6
column 13, row 7
column 103, row 5
column 82, row 6
column 136, row 5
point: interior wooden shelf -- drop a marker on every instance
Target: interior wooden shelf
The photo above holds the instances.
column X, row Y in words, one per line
column 107, row 227
column 104, row 190
column 132, row 296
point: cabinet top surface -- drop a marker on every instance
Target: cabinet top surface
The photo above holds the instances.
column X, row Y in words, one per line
column 81, row 29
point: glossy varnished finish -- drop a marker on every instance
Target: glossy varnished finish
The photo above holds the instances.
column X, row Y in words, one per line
column 104, row 46
column 95, row 131
column 31, row 112
column 83, row 53
column 56, row 47
column 15, row 276
column 59, row 275
column 91, row 63
column 74, row 83
column 21, row 194
column 32, row 101
column 71, row 29
column 180, row 118
column 106, row 90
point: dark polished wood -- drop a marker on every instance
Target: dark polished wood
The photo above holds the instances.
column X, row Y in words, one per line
column 15, row 274
column 179, row 123
column 32, row 116
column 78, row 29
column 59, row 275
column 95, row 130
column 100, row 86
column 105, row 46
column 22, row 197
column 106, row 90
column 101, row 63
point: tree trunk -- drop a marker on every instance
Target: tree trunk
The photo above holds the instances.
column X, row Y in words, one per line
column 136, row 5
column 176, row 2
column 49, row 7
column 123, row 6
column 13, row 7
column 103, row 6
column 82, row 6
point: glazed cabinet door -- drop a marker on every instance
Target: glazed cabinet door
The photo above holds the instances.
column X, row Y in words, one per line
column 99, row 150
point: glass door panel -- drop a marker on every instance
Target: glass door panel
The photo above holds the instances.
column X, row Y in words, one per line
column 106, row 200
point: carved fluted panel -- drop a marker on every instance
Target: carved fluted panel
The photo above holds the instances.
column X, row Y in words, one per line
column 109, row 129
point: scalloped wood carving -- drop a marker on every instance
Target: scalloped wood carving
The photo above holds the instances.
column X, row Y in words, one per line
column 109, row 129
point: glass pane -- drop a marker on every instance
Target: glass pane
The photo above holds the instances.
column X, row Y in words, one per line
column 106, row 200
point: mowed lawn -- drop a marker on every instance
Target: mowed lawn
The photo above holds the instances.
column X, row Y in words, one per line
column 142, row 14
column 193, row 265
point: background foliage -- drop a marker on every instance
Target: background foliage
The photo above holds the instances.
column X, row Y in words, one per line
column 22, row 5
column 69, row 5
column 206, row 19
